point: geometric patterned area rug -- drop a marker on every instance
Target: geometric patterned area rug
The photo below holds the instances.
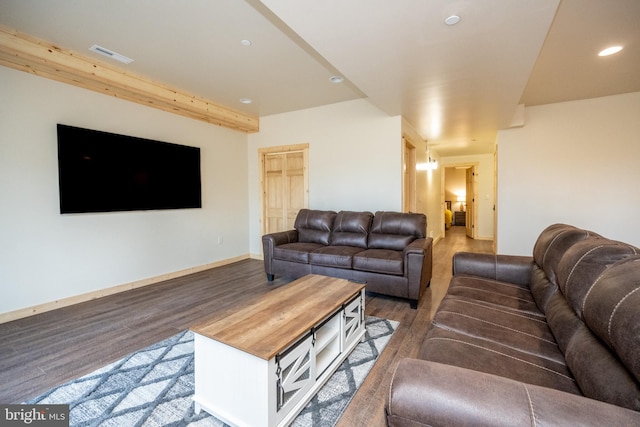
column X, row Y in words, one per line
column 155, row 386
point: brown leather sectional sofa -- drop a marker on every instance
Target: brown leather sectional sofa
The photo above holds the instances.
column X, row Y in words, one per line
column 389, row 251
column 552, row 339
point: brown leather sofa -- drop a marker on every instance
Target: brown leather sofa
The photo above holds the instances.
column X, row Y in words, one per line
column 552, row 339
column 389, row 251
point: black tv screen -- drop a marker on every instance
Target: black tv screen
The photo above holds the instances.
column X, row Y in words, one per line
column 106, row 172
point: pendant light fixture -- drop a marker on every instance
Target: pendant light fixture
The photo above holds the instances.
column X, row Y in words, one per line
column 432, row 164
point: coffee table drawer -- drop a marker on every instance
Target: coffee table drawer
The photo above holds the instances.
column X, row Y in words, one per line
column 295, row 374
column 353, row 315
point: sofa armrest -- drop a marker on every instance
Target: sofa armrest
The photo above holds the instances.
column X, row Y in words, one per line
column 418, row 266
column 506, row 268
column 418, row 246
column 270, row 241
column 427, row 393
column 281, row 237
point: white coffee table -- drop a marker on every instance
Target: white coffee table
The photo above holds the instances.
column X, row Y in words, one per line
column 261, row 365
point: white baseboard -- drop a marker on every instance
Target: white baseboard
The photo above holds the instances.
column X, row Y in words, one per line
column 64, row 302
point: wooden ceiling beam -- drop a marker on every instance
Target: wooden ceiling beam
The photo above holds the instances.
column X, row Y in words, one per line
column 25, row 53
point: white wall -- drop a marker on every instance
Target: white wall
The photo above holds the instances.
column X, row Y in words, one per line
column 429, row 202
column 484, row 190
column 574, row 162
column 355, row 158
column 455, row 184
column 46, row 256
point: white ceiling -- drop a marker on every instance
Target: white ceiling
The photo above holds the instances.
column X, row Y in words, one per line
column 457, row 85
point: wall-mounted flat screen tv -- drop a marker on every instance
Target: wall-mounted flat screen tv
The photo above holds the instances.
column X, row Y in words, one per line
column 106, row 172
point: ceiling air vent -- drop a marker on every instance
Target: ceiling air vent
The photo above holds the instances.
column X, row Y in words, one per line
column 111, row 54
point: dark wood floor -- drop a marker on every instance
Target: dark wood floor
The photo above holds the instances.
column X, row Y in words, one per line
column 48, row 349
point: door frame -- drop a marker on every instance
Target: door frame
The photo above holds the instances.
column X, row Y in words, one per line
column 470, row 183
column 408, row 175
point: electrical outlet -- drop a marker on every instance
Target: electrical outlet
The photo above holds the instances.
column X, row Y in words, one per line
column 220, row 240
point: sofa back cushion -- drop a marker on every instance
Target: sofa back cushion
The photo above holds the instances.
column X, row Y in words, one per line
column 595, row 317
column 395, row 230
column 582, row 265
column 611, row 309
column 553, row 243
column 314, row 226
column 351, row 229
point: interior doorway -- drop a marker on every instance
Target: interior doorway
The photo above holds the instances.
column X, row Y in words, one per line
column 459, row 183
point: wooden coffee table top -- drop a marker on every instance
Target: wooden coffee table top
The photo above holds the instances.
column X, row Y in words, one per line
column 269, row 325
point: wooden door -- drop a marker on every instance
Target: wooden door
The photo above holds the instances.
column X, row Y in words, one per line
column 471, row 199
column 273, row 193
column 295, row 188
column 285, row 186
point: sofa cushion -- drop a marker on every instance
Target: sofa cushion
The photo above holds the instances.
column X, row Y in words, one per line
column 542, row 289
column 599, row 372
column 424, row 393
column 295, row 252
column 334, row 256
column 394, row 230
column 581, row 266
column 496, row 327
column 549, row 248
column 503, row 295
column 552, row 243
column 519, row 331
column 351, row 229
column 596, row 369
column 314, row 226
column 611, row 310
column 380, row 261
column 492, row 357
column 604, row 351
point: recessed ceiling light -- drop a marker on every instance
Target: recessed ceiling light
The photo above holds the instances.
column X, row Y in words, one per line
column 610, row 51
column 246, row 42
column 452, row 20
column 246, row 100
column 336, row 79
column 111, row 54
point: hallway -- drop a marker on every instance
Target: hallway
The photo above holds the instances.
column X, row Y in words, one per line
column 455, row 240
